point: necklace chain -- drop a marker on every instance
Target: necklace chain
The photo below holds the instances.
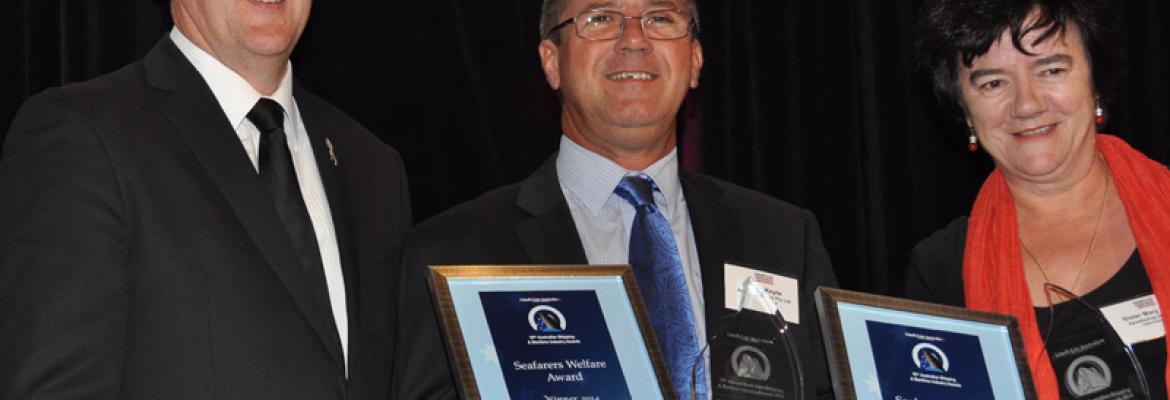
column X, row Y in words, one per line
column 1092, row 242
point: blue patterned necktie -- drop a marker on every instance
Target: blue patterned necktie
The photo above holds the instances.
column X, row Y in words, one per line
column 663, row 282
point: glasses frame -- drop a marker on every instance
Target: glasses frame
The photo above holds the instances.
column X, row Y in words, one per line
column 692, row 25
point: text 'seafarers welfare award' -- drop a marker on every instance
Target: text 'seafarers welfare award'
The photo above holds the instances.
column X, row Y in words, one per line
column 535, row 332
column 888, row 348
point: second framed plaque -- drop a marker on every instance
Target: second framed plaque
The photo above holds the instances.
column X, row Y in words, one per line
column 889, row 348
column 548, row 331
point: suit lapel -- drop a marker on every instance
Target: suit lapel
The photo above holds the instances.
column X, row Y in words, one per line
column 718, row 238
column 197, row 118
column 549, row 236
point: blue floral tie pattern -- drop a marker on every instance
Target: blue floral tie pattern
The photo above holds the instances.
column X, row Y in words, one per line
column 663, row 283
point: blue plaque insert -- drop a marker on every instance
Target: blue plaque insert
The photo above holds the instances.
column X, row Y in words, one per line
column 928, row 364
column 553, row 343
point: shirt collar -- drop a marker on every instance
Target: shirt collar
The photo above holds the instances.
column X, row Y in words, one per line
column 592, row 177
column 235, row 95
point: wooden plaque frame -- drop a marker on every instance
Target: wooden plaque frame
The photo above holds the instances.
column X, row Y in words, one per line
column 440, row 277
column 837, row 352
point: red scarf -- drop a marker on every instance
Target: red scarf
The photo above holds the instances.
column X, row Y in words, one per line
column 993, row 272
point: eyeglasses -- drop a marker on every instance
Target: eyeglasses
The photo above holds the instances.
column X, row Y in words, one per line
column 609, row 24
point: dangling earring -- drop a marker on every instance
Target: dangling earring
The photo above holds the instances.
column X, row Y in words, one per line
column 1100, row 114
column 972, row 141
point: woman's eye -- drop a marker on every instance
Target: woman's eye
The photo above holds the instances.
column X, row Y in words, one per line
column 991, row 85
column 1054, row 72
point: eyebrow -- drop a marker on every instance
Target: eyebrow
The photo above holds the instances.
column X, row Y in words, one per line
column 664, row 3
column 599, row 4
column 1054, row 59
column 979, row 73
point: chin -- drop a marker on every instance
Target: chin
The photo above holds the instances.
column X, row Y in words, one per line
column 635, row 122
column 1037, row 167
column 271, row 45
column 636, row 116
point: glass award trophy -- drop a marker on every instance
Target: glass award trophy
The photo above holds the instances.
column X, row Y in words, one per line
column 1090, row 359
column 752, row 356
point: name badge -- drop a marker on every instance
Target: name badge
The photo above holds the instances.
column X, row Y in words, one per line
column 1136, row 320
column 779, row 290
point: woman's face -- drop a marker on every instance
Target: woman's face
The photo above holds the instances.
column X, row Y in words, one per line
column 1034, row 112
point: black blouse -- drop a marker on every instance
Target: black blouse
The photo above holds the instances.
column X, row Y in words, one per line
column 935, row 274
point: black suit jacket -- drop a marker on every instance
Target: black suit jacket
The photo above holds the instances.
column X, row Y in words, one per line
column 140, row 256
column 530, row 223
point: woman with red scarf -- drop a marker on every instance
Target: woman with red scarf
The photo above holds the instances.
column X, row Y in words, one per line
column 1072, row 221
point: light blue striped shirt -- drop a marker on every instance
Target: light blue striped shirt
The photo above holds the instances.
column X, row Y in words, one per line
column 604, row 219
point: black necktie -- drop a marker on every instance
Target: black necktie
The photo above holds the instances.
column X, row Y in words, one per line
column 276, row 170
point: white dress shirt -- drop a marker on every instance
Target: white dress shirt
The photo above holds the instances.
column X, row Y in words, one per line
column 604, row 219
column 237, row 98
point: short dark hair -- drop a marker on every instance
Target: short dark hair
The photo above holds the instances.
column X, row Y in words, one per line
column 953, row 31
column 550, row 16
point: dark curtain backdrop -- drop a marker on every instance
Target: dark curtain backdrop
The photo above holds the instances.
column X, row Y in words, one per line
column 813, row 102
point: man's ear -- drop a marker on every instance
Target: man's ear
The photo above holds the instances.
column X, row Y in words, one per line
column 551, row 63
column 696, row 62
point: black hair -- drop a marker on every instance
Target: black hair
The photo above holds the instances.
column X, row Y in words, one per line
column 954, row 31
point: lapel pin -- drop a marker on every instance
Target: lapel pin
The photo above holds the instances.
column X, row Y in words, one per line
column 333, row 157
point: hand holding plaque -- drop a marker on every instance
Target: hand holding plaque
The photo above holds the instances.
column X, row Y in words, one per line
column 752, row 356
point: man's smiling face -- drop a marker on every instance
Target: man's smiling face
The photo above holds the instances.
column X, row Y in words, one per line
column 612, row 86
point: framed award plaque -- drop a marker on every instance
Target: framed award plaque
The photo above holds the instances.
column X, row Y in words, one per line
column 883, row 347
column 548, row 331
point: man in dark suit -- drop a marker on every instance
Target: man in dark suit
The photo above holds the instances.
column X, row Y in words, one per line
column 622, row 72
column 195, row 226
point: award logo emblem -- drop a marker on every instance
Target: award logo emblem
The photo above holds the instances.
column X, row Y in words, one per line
column 751, row 363
column 545, row 318
column 1087, row 375
column 929, row 357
